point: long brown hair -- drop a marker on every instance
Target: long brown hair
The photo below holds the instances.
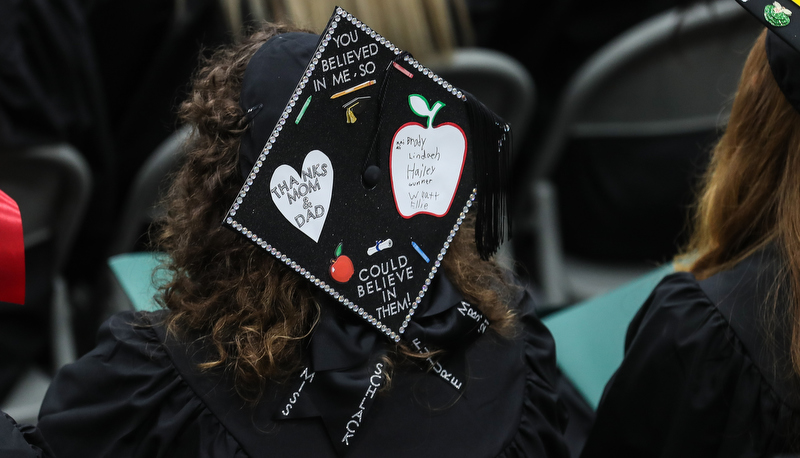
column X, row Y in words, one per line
column 254, row 310
column 751, row 191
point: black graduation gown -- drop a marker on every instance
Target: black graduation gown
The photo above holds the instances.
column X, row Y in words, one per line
column 138, row 393
column 21, row 441
column 704, row 372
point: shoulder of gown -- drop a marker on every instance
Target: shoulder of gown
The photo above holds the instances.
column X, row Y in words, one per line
column 688, row 384
column 126, row 399
column 21, row 441
column 543, row 419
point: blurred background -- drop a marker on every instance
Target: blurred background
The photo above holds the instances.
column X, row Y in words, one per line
column 614, row 108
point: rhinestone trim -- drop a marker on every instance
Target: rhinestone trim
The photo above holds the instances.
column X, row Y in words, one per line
column 437, row 264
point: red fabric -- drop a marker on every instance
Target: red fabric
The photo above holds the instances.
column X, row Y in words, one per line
column 12, row 252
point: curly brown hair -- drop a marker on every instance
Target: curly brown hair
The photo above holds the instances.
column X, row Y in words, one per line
column 254, row 310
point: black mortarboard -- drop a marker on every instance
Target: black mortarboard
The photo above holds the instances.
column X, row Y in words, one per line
column 782, row 19
column 360, row 166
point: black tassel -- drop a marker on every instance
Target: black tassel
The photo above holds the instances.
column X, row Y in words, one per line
column 491, row 150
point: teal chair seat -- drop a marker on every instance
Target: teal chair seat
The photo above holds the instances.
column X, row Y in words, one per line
column 137, row 276
column 590, row 335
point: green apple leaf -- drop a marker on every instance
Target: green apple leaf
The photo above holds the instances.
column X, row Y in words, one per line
column 419, row 105
column 338, row 251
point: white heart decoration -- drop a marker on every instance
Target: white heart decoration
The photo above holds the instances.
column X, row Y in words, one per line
column 304, row 198
column 426, row 165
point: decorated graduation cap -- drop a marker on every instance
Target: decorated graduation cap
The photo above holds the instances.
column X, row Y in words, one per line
column 782, row 19
column 360, row 165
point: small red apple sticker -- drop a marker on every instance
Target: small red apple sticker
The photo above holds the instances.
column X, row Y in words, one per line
column 426, row 162
column 341, row 267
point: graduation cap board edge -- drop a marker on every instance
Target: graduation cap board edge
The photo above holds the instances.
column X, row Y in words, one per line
column 777, row 16
column 368, row 174
column 782, row 19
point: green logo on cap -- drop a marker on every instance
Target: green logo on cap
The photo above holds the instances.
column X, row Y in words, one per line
column 777, row 15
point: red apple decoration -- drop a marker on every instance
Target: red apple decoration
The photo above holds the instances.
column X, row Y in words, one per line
column 426, row 162
column 342, row 267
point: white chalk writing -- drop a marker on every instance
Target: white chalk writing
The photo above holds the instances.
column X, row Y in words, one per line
column 357, row 419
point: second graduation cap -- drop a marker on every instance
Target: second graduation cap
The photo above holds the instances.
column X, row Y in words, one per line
column 782, row 19
column 363, row 177
column 780, row 16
